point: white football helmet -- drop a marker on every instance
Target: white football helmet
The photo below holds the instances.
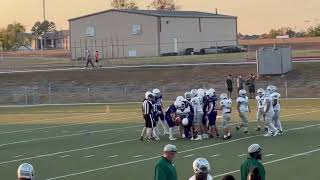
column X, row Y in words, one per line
column 274, row 88
column 156, row 92
column 180, row 98
column 242, row 92
column 269, row 88
column 194, row 92
column 201, row 165
column 201, row 93
column 147, row 94
column 188, row 96
column 185, row 122
column 260, row 92
column 212, row 90
column 223, row 96
column 26, row 171
column 178, row 104
column 205, row 91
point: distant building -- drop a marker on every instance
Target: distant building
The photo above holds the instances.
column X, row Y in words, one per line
column 127, row 33
column 51, row 40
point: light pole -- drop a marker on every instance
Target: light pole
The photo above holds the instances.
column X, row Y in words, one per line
column 44, row 9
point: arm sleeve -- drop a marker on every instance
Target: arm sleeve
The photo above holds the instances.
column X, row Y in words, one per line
column 159, row 174
column 243, row 172
column 262, row 172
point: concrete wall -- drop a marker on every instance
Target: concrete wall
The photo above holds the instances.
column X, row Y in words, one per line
column 197, row 33
column 113, row 35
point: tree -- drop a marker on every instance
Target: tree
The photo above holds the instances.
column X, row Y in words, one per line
column 124, row 4
column 314, row 31
column 164, row 5
column 40, row 28
column 13, row 37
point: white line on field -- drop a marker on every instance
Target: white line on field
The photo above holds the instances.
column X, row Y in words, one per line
column 273, row 161
column 64, row 156
column 216, row 155
column 64, row 125
column 240, row 155
column 190, row 155
column 67, row 135
column 67, row 151
column 113, row 156
column 89, row 156
column 45, row 131
column 268, row 155
column 124, row 141
column 20, row 155
column 64, row 131
column 155, row 157
column 136, row 156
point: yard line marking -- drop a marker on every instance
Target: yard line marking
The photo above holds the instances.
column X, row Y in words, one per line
column 65, row 125
column 89, row 156
column 67, row 151
column 67, row 135
column 155, row 157
column 268, row 155
column 240, row 155
column 101, row 145
column 45, row 131
column 136, row 156
column 113, row 156
column 273, row 161
column 190, row 155
column 17, row 156
column 64, row 131
column 216, row 155
column 64, row 156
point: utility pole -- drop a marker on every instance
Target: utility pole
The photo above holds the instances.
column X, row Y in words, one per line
column 44, row 10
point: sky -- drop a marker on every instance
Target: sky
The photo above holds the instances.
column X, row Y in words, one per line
column 254, row 16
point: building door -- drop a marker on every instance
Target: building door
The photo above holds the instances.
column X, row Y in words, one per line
column 175, row 45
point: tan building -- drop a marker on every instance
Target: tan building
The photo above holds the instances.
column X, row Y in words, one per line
column 129, row 33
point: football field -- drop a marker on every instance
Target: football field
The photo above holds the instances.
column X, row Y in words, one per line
column 99, row 142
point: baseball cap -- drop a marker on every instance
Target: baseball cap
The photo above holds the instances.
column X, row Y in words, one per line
column 254, row 148
column 170, row 148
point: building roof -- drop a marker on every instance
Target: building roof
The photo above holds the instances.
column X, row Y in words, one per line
column 158, row 13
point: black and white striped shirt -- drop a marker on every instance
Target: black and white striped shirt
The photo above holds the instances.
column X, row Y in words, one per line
column 147, row 107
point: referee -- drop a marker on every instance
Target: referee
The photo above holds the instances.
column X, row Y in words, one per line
column 147, row 111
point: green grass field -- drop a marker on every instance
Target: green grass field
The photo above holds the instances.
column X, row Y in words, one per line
column 86, row 143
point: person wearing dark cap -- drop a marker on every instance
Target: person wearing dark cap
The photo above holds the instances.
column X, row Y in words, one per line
column 253, row 161
column 229, row 86
column 165, row 168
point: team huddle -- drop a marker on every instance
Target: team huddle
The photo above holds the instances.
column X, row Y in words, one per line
column 195, row 114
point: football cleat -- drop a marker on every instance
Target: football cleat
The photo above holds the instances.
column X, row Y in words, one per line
column 172, row 138
column 237, row 128
column 258, row 128
column 276, row 133
column 141, row 138
column 268, row 135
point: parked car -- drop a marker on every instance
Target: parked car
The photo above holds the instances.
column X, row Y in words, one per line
column 211, row 50
column 231, row 49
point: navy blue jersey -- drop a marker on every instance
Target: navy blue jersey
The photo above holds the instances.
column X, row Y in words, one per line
column 158, row 102
column 205, row 102
column 212, row 100
column 171, row 109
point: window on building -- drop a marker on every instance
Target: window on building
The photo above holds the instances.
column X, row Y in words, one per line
column 136, row 29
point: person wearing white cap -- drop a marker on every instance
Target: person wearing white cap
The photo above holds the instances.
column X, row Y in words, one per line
column 26, row 172
column 201, row 168
column 253, row 161
column 165, row 168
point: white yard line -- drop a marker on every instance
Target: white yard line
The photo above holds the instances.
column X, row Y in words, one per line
column 67, row 135
column 89, row 156
column 113, row 156
column 136, row 156
column 273, row 161
column 190, row 155
column 64, row 156
column 155, row 157
column 241, row 155
column 20, row 155
column 64, row 125
column 215, row 155
column 268, row 155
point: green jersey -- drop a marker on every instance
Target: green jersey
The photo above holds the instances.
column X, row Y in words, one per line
column 249, row 165
column 165, row 170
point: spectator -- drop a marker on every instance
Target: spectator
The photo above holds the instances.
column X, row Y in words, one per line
column 165, row 169
column 229, row 86
column 253, row 161
column 240, row 83
column 228, row 177
column 201, row 168
column 89, row 59
column 252, row 86
column 26, row 172
column 97, row 59
column 254, row 174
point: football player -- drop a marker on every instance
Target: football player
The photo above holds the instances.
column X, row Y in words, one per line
column 211, row 113
column 201, row 169
column 205, row 125
column 198, row 114
column 260, row 100
column 268, row 114
column 188, row 96
column 276, row 107
column 225, row 106
column 159, row 110
column 185, row 111
column 243, row 109
column 170, row 117
column 26, row 172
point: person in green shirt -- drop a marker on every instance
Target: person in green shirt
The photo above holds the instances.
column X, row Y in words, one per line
column 253, row 162
column 165, row 168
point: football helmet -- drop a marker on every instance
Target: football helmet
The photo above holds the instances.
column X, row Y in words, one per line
column 26, row 171
column 156, row 92
column 260, row 92
column 201, row 165
column 201, row 93
column 180, row 98
column 147, row 94
column 188, row 96
column 223, row 96
column 194, row 92
column 242, row 92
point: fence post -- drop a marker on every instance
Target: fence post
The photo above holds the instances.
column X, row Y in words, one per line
column 125, row 90
column 102, row 49
column 286, row 86
column 216, row 47
column 163, row 89
column 26, row 95
column 89, row 94
column 49, row 93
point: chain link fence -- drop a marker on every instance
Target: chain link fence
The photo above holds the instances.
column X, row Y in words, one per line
column 69, row 94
